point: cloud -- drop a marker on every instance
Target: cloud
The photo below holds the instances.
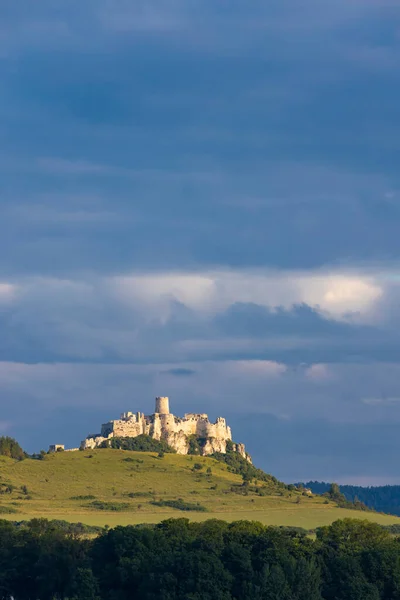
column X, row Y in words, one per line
column 260, row 368
column 7, row 292
column 318, row 372
column 193, row 206
column 144, row 317
column 337, row 294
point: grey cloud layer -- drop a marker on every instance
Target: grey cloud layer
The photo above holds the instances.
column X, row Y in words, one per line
column 203, row 200
column 294, row 317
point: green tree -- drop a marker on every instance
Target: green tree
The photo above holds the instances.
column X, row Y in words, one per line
column 10, row 447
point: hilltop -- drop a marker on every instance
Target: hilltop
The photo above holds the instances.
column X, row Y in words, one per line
column 180, row 433
column 109, row 486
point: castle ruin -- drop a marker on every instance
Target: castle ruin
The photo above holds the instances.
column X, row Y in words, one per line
column 175, row 431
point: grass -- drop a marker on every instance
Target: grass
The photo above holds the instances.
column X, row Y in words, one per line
column 62, row 486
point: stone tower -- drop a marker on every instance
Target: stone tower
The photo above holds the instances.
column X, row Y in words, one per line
column 162, row 405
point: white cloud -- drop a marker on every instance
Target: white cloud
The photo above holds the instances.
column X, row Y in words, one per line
column 194, row 290
column 337, row 293
column 257, row 368
column 318, row 372
column 7, row 292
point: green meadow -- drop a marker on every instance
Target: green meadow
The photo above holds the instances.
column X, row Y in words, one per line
column 116, row 487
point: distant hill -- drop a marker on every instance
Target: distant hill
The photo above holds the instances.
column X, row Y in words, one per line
column 385, row 498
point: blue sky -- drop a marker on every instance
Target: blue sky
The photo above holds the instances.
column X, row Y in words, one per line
column 202, row 200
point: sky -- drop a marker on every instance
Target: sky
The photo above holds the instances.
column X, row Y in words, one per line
column 201, row 199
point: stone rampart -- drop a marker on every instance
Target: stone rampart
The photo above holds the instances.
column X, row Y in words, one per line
column 176, row 431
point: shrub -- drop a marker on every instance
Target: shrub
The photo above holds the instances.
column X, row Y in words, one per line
column 197, row 466
column 7, row 510
column 180, row 505
column 139, row 494
column 43, row 525
column 84, row 497
column 194, row 445
column 140, row 443
column 240, row 466
column 41, row 456
column 113, row 506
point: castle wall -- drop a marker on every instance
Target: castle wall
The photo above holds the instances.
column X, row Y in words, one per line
column 163, row 425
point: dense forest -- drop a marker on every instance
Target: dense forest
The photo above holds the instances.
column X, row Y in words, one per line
column 384, row 498
column 213, row 560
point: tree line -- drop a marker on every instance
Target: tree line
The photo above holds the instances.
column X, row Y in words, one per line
column 213, row 560
column 385, row 498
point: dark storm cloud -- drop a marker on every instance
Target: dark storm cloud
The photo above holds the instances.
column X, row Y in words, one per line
column 225, row 152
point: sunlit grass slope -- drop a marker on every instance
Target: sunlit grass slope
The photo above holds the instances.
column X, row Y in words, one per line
column 64, row 486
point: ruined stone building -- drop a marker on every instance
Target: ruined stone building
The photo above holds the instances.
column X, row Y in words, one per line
column 175, row 431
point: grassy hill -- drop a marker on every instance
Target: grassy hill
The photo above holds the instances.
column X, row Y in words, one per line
column 107, row 486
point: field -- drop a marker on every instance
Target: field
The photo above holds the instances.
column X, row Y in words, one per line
column 65, row 485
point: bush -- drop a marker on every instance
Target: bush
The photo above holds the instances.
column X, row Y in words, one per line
column 7, row 510
column 41, row 456
column 196, row 445
column 139, row 494
column 140, row 443
column 240, row 466
column 180, row 505
column 84, row 497
column 113, row 506
column 43, row 525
